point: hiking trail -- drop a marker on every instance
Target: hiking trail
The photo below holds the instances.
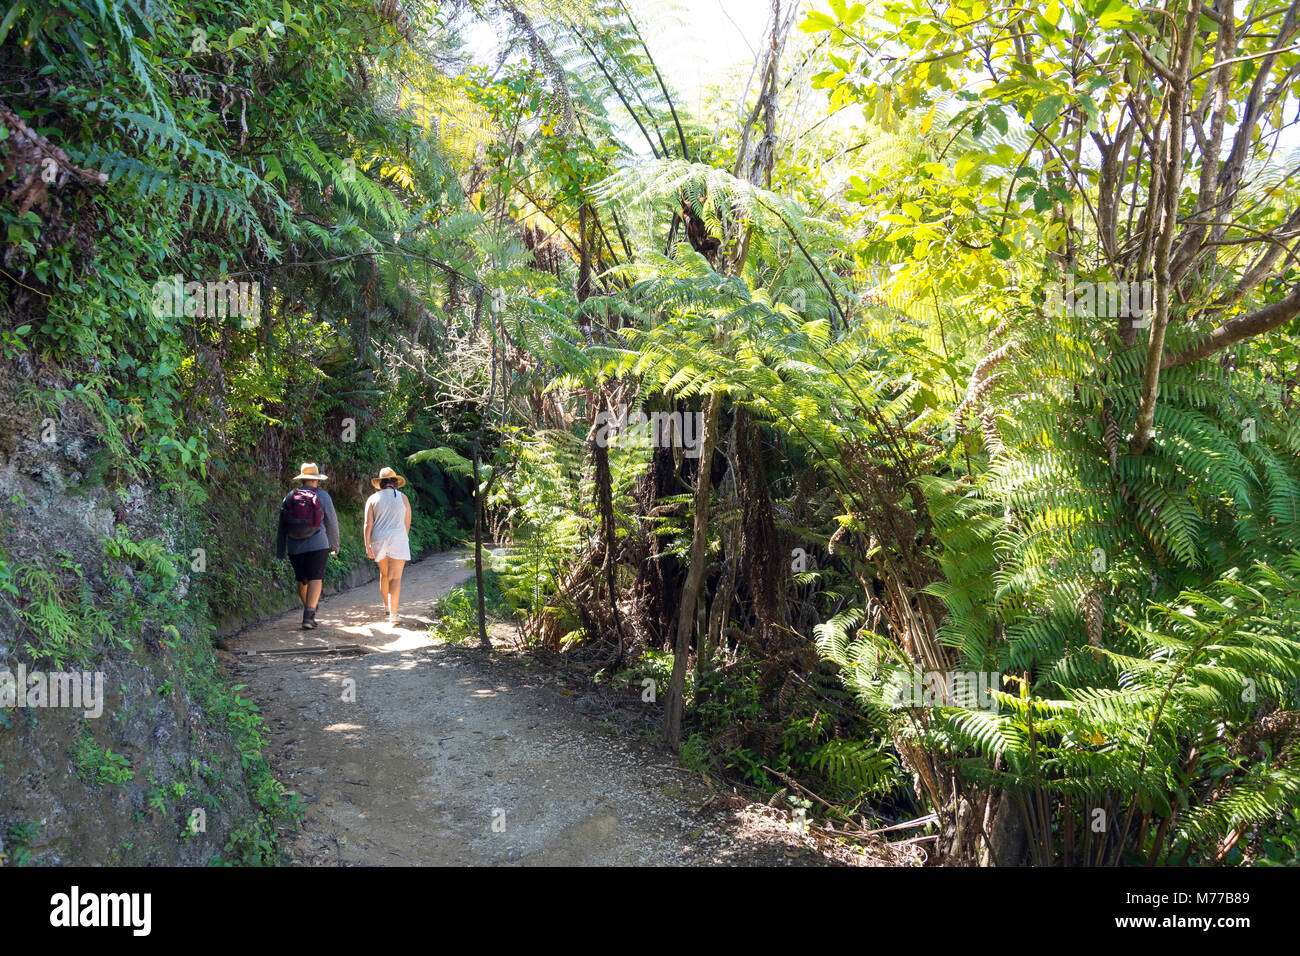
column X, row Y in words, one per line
column 449, row 757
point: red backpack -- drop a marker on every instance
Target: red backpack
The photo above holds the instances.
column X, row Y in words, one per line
column 301, row 513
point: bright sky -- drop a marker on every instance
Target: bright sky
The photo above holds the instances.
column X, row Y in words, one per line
column 695, row 44
column 698, row 43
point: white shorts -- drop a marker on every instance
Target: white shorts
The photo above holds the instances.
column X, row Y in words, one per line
column 394, row 546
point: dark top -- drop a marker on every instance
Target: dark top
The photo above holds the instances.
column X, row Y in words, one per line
column 326, row 536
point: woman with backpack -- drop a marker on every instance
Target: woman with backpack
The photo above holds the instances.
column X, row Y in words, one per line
column 308, row 534
column 387, row 532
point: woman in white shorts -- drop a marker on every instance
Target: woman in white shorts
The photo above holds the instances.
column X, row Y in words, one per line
column 387, row 532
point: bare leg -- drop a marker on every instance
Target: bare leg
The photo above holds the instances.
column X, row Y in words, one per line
column 395, row 566
column 383, row 579
column 313, row 592
column 302, row 593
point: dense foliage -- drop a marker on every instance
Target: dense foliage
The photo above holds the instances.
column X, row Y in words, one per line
column 968, row 347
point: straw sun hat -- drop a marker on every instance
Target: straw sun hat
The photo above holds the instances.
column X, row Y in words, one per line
column 308, row 471
column 387, row 473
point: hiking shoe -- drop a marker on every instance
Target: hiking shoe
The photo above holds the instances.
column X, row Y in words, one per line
column 394, row 619
column 309, row 618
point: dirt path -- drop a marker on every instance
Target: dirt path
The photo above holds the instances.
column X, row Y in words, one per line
column 444, row 757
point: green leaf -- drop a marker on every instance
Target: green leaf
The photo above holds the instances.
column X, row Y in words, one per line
column 817, row 22
column 10, row 17
column 1047, row 110
column 998, row 119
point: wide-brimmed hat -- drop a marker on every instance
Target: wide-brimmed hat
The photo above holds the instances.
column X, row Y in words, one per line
column 308, row 471
column 387, row 473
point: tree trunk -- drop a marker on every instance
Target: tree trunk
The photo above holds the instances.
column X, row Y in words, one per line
column 478, row 554
column 674, row 702
column 1006, row 832
column 729, row 559
column 660, row 575
column 760, row 549
column 603, row 481
column 1171, row 182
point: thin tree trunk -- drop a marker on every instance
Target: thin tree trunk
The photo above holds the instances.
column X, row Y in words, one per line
column 674, row 702
column 719, row 611
column 1163, row 279
column 478, row 554
column 603, row 481
column 479, row 490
